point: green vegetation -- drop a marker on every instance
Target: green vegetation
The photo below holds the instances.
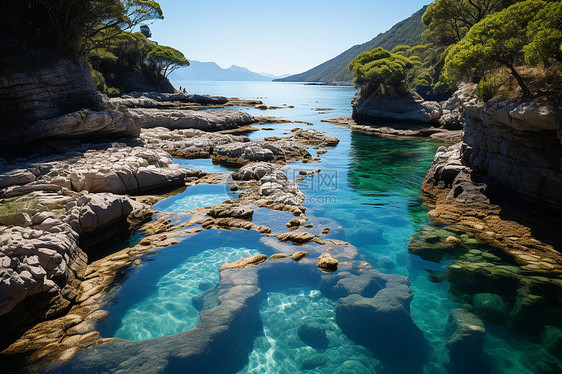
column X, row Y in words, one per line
column 408, row 32
column 129, row 62
column 73, row 26
column 12, row 207
column 481, row 41
column 500, row 40
column 545, row 35
column 166, row 59
column 100, row 32
column 385, row 72
column 448, row 21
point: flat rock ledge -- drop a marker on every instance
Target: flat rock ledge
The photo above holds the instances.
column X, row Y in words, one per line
column 206, row 120
column 242, row 153
column 392, row 130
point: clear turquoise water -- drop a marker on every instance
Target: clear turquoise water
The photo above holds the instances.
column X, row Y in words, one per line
column 194, row 197
column 369, row 189
column 203, row 164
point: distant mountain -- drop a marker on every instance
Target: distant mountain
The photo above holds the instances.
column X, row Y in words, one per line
column 335, row 70
column 210, row 71
column 273, row 76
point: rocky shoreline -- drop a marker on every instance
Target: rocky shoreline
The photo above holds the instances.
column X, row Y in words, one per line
column 58, row 207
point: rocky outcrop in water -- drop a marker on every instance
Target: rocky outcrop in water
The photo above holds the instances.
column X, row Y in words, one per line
column 242, row 153
column 371, row 108
column 465, row 346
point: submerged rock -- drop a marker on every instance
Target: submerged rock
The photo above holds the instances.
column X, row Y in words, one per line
column 314, row 335
column 244, row 262
column 466, row 342
column 373, row 310
column 313, row 362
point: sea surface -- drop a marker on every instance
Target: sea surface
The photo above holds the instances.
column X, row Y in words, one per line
column 369, row 194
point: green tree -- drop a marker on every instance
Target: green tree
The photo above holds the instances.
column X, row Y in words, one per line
column 166, row 59
column 545, row 35
column 496, row 41
column 381, row 70
column 75, row 25
column 448, row 21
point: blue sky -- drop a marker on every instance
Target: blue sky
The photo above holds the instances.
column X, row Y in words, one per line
column 278, row 37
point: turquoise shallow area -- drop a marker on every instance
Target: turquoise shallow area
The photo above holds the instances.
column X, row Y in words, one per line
column 203, row 164
column 194, row 197
column 156, row 299
column 368, row 192
column 280, row 349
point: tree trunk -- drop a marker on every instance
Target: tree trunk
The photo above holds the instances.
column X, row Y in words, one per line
column 519, row 79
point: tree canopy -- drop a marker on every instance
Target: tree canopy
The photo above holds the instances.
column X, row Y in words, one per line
column 75, row 25
column 449, row 20
column 496, row 41
column 167, row 59
column 545, row 35
column 381, row 69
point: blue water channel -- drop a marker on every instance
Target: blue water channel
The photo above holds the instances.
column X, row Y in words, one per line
column 368, row 189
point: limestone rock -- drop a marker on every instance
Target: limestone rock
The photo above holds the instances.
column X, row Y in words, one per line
column 243, row 153
column 296, row 237
column 243, row 262
column 206, row 120
column 188, row 143
column 313, row 137
column 94, row 211
column 254, row 170
column 297, row 256
column 226, row 210
column 400, row 108
column 40, row 271
column 327, row 263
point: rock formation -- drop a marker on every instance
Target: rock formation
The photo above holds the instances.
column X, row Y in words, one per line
column 374, row 109
column 502, row 185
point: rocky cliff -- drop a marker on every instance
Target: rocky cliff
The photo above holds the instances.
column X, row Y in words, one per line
column 517, row 144
column 38, row 84
column 503, row 185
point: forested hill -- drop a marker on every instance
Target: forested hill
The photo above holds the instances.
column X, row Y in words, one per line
column 335, row 70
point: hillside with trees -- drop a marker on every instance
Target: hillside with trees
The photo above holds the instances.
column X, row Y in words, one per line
column 408, row 32
column 509, row 48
